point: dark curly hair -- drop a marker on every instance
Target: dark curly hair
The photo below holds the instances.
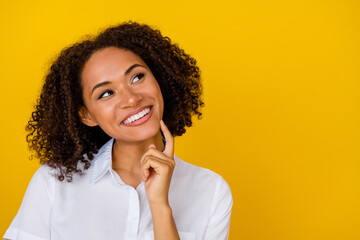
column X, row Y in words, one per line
column 55, row 131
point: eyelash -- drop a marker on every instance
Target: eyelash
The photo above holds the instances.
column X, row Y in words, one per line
column 107, row 91
column 140, row 76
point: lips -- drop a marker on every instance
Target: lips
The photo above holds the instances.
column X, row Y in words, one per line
column 138, row 116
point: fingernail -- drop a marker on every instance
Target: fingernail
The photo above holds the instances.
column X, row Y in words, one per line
column 152, row 146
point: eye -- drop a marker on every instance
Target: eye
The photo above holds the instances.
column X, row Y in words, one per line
column 137, row 78
column 105, row 94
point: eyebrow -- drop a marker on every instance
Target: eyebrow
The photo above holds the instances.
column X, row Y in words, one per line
column 107, row 82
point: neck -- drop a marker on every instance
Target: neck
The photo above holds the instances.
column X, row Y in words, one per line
column 126, row 156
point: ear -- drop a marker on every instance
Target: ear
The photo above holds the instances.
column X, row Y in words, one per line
column 86, row 117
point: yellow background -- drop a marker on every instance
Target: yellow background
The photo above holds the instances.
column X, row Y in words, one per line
column 281, row 87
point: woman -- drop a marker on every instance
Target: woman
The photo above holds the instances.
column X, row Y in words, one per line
column 103, row 129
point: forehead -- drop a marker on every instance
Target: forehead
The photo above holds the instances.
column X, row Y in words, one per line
column 109, row 62
column 112, row 53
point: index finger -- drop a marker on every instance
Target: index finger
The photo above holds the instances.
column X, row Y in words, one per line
column 169, row 144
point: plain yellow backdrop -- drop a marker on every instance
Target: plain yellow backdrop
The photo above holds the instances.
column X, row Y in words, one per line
column 282, row 94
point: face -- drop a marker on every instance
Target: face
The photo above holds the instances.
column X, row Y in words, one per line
column 121, row 95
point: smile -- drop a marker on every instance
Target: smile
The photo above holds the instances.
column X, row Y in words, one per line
column 138, row 118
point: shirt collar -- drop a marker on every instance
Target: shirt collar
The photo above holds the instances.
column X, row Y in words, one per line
column 103, row 161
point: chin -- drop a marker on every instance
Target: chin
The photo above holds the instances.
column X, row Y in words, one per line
column 139, row 134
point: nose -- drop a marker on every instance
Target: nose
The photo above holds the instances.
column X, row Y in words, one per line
column 129, row 98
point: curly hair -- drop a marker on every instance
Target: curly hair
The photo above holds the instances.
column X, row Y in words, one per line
column 55, row 131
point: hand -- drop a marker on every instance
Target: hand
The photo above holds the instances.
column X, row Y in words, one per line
column 157, row 169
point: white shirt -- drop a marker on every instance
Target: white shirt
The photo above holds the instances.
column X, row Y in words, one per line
column 99, row 205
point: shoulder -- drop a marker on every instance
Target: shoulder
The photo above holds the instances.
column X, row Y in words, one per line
column 202, row 190
column 42, row 182
column 32, row 219
column 200, row 178
column 187, row 169
column 43, row 174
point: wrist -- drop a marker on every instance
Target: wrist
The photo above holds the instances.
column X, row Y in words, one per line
column 163, row 221
column 162, row 202
column 160, row 209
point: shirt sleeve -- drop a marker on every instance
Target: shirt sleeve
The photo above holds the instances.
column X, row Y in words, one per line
column 219, row 223
column 32, row 221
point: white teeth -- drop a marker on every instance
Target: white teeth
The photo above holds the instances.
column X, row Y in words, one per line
column 137, row 116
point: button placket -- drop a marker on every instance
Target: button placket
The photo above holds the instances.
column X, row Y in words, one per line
column 133, row 215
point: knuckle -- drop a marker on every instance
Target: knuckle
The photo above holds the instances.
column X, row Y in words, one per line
column 148, row 152
column 144, row 159
column 151, row 150
column 171, row 166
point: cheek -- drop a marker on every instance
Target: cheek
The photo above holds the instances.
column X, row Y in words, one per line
column 102, row 113
column 160, row 100
column 162, row 105
column 153, row 89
